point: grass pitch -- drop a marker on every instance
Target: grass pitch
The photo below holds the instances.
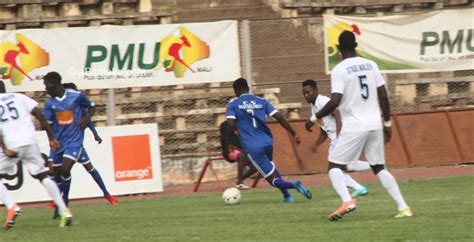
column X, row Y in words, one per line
column 443, row 211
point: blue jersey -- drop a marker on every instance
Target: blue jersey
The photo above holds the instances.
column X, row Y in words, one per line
column 64, row 114
column 250, row 113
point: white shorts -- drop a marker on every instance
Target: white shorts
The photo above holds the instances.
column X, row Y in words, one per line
column 30, row 156
column 348, row 147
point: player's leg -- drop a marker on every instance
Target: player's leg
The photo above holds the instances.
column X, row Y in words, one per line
column 98, row 179
column 245, row 169
column 374, row 151
column 359, row 190
column 66, row 178
column 31, row 157
column 348, row 148
column 7, row 166
column 87, row 164
column 358, row 166
column 13, row 209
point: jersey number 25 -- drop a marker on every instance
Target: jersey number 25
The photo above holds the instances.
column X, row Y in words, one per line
column 8, row 111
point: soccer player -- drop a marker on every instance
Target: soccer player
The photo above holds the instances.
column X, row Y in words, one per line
column 358, row 91
column 248, row 113
column 330, row 127
column 18, row 142
column 65, row 111
column 232, row 152
column 91, row 124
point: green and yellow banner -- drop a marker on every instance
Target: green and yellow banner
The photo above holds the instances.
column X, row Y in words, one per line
column 426, row 42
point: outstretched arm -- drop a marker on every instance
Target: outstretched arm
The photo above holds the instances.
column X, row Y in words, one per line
column 284, row 123
column 330, row 106
column 385, row 106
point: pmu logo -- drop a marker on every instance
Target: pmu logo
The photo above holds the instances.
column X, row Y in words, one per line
column 173, row 54
column 20, row 58
column 333, row 33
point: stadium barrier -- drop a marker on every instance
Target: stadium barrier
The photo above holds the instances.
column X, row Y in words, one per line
column 418, row 139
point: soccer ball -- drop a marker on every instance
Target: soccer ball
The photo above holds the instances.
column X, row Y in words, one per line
column 231, row 196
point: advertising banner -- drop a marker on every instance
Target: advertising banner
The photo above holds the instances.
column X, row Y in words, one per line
column 121, row 56
column 128, row 159
column 433, row 41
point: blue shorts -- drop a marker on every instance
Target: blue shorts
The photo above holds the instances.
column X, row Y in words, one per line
column 262, row 159
column 77, row 154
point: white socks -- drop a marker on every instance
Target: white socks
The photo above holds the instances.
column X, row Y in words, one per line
column 390, row 184
column 350, row 182
column 54, row 193
column 339, row 184
column 358, row 166
column 5, row 196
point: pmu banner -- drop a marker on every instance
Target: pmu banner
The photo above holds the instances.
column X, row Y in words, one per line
column 121, row 56
column 425, row 42
column 128, row 159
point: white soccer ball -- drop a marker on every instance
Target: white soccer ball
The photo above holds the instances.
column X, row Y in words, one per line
column 231, row 196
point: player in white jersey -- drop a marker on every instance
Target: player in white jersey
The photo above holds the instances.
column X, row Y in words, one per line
column 330, row 128
column 358, row 91
column 18, row 142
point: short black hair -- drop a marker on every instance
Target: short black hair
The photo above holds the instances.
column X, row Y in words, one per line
column 310, row 83
column 53, row 78
column 2, row 87
column 70, row 85
column 347, row 40
column 240, row 84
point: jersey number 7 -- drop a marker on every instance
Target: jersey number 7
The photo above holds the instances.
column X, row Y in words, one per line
column 252, row 114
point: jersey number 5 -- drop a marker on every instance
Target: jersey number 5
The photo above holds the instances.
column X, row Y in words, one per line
column 9, row 111
column 252, row 114
column 364, row 88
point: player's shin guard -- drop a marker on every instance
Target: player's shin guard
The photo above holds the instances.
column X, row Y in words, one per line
column 65, row 185
column 98, row 179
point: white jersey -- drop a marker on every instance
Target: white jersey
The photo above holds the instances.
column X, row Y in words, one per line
column 16, row 125
column 329, row 121
column 357, row 79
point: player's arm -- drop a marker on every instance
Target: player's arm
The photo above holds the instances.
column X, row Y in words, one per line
column 330, row 106
column 91, row 126
column 54, row 144
column 385, row 106
column 90, row 110
column 321, row 138
column 310, row 123
column 284, row 123
column 337, row 117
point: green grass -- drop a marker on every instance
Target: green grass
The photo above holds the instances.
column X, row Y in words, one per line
column 443, row 211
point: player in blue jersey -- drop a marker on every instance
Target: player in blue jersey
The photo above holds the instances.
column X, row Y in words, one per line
column 64, row 110
column 91, row 124
column 248, row 114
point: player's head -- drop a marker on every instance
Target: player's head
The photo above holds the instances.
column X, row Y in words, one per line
column 52, row 83
column 240, row 86
column 70, row 85
column 347, row 42
column 310, row 91
column 2, row 87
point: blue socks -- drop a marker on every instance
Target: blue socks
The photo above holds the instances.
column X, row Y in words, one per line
column 280, row 183
column 98, row 179
column 65, row 185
